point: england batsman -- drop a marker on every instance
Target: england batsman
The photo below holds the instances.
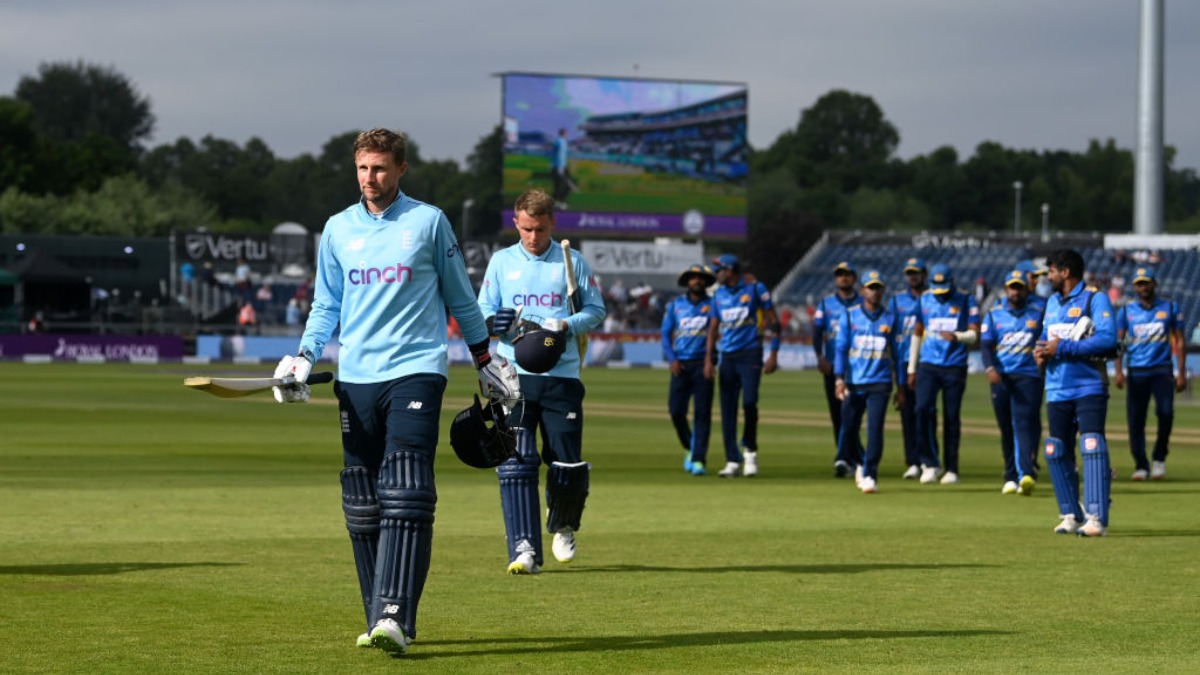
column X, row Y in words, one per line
column 528, row 278
column 388, row 268
column 1078, row 334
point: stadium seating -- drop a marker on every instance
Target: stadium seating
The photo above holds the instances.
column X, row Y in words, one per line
column 812, row 279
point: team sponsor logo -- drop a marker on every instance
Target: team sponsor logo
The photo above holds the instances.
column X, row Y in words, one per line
column 392, row 274
column 1062, row 331
column 734, row 314
column 870, row 343
column 1142, row 331
column 943, row 323
column 538, row 299
column 693, row 323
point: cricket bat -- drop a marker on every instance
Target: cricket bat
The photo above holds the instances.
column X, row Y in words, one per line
column 574, row 301
column 236, row 387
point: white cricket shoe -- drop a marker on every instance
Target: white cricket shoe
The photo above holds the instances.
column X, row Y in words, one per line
column 1068, row 525
column 912, row 473
column 1139, row 475
column 1092, row 528
column 1158, row 470
column 929, row 474
column 949, row 478
column 525, row 563
column 388, row 636
column 867, row 485
column 564, row 545
column 858, row 476
column 731, row 470
column 749, row 463
column 1010, row 488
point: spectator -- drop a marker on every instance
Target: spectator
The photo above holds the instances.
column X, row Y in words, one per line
column 292, row 317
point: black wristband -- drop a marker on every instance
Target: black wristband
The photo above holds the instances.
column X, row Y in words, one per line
column 480, row 354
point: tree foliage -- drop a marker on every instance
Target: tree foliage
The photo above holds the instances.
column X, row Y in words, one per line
column 72, row 101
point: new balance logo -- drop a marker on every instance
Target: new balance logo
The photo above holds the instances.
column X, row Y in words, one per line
column 571, row 415
column 414, row 405
column 345, row 423
column 391, row 609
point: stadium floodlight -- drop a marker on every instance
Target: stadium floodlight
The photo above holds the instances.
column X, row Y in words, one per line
column 1017, row 185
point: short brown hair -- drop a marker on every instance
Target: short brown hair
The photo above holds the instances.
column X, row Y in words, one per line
column 394, row 143
column 535, row 202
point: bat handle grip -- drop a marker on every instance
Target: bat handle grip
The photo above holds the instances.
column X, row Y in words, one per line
column 319, row 378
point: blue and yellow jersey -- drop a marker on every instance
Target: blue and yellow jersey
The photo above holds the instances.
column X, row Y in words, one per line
column 1077, row 368
column 827, row 319
column 865, row 348
column 1148, row 332
column 1007, row 337
column 951, row 312
column 736, row 311
column 902, row 306
column 685, row 328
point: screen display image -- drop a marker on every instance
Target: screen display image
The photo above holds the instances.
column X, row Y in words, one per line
column 629, row 156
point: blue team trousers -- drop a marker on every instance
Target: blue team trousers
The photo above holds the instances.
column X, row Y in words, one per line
column 1017, row 402
column 951, row 381
column 1083, row 415
column 740, row 374
column 691, row 385
column 873, row 400
column 1140, row 387
column 908, row 423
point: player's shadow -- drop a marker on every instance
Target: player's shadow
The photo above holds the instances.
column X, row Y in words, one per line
column 1156, row 533
column 537, row 645
column 826, row 568
column 97, row 569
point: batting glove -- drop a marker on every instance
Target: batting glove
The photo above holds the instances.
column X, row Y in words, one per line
column 498, row 381
column 297, row 368
column 504, row 320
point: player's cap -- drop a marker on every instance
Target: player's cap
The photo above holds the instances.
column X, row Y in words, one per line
column 725, row 261
column 845, row 266
column 915, row 265
column 1143, row 274
column 1026, row 266
column 940, row 279
column 703, row 271
column 539, row 351
column 872, row 278
column 1016, row 278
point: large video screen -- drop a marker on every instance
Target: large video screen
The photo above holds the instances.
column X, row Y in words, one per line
column 628, row 157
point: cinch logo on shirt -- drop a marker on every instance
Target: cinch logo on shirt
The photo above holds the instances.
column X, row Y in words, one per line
column 392, row 274
column 538, row 300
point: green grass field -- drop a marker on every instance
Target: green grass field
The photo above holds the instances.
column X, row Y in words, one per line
column 145, row 528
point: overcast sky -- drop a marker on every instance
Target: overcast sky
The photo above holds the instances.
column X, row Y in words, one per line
column 1029, row 74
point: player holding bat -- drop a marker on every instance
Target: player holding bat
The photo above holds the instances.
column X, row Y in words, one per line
column 389, row 266
column 527, row 300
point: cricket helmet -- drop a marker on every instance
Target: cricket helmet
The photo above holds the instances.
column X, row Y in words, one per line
column 481, row 437
column 538, row 351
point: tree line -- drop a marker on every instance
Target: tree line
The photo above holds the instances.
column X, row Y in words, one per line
column 75, row 161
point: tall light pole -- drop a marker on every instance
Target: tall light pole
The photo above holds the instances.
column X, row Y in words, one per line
column 1017, row 211
column 1045, row 222
column 466, row 215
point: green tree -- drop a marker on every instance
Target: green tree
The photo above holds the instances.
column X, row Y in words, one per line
column 72, row 101
column 123, row 205
column 19, row 149
column 483, row 173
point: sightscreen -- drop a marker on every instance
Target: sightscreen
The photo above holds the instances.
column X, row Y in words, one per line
column 629, row 157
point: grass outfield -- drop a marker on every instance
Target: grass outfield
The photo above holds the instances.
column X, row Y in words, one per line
column 148, row 528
